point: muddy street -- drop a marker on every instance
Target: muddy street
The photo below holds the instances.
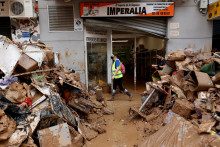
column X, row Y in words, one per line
column 120, row 131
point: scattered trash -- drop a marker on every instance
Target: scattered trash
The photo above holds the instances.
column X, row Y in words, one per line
column 43, row 103
column 191, row 103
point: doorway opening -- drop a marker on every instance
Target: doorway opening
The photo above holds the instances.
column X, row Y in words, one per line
column 5, row 27
column 139, row 49
column 216, row 36
column 124, row 47
column 147, row 47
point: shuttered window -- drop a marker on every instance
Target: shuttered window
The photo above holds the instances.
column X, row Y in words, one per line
column 143, row 25
column 61, row 18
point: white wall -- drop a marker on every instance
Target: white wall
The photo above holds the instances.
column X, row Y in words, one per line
column 194, row 31
column 69, row 44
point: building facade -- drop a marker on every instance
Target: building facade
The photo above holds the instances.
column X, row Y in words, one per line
column 87, row 44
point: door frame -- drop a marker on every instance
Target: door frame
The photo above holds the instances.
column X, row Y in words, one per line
column 108, row 36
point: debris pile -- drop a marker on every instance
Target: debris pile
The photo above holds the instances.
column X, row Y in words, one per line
column 188, row 95
column 41, row 102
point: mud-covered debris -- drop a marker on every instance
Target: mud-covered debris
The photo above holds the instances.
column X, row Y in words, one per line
column 55, row 136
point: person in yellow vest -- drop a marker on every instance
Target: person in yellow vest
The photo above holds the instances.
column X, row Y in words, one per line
column 117, row 77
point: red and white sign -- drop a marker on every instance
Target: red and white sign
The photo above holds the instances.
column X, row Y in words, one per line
column 127, row 9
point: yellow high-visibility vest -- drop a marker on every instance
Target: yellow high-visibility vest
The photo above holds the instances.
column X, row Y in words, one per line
column 119, row 74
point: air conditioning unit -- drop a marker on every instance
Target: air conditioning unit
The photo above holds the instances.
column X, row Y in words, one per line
column 21, row 8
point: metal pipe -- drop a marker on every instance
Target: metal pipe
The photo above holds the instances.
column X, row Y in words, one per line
column 216, row 55
column 135, row 64
column 148, row 98
column 216, row 117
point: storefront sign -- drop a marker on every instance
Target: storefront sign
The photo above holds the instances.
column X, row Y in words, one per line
column 214, row 11
column 4, row 8
column 127, row 9
column 96, row 40
column 94, row 31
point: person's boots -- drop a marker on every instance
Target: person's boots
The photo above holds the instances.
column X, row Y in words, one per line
column 129, row 94
column 113, row 95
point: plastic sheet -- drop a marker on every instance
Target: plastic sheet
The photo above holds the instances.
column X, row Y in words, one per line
column 13, row 110
column 179, row 133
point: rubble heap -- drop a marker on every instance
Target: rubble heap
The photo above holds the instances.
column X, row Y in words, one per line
column 41, row 102
column 191, row 105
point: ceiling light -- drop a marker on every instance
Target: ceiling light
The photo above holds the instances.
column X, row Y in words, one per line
column 120, row 41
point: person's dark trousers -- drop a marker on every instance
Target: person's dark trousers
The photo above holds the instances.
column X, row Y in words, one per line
column 118, row 83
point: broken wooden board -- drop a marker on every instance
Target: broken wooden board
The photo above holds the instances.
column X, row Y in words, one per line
column 38, row 101
column 33, row 120
column 48, row 119
column 134, row 112
column 82, row 104
column 44, row 90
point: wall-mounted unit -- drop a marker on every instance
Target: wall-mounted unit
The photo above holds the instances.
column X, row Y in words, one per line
column 21, row 8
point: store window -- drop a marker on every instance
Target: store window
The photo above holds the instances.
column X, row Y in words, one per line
column 61, row 18
column 97, row 60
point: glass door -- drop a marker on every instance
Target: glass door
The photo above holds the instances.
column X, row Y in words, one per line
column 96, row 60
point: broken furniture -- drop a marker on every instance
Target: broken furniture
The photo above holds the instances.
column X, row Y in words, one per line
column 134, row 112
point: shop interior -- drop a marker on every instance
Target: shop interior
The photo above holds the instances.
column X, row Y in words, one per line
column 146, row 49
column 124, row 47
column 131, row 48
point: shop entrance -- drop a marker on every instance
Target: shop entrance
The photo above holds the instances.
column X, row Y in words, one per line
column 139, row 49
column 136, row 40
column 124, row 47
column 216, row 36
